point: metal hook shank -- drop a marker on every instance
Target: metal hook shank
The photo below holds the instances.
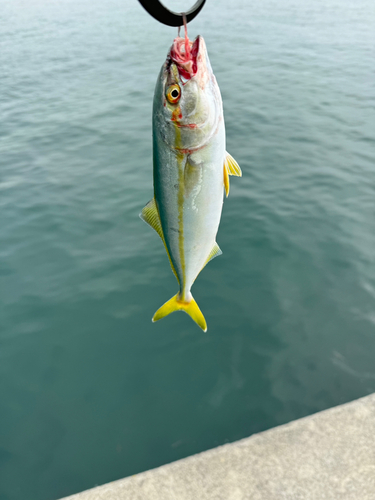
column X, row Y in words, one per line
column 157, row 10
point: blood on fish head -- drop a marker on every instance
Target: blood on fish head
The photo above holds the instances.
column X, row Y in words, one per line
column 191, row 59
column 190, row 95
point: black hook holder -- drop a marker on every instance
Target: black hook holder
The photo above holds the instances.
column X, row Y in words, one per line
column 157, row 10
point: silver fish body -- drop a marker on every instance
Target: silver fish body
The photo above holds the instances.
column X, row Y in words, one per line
column 191, row 168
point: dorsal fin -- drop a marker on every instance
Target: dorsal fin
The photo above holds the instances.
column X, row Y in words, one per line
column 150, row 215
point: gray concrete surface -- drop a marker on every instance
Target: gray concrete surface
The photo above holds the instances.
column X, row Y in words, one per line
column 326, row 456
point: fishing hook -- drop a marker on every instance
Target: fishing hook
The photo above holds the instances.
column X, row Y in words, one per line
column 157, row 10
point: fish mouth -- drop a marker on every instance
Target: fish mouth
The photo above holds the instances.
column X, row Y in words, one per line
column 184, row 54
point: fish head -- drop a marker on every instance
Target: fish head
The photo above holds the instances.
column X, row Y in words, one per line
column 187, row 99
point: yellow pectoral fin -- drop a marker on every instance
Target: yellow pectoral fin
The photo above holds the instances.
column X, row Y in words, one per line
column 174, row 304
column 232, row 166
column 226, row 180
column 151, row 216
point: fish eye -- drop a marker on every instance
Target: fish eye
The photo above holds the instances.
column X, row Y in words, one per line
column 173, row 93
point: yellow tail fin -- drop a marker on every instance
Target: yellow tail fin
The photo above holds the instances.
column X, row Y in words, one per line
column 191, row 308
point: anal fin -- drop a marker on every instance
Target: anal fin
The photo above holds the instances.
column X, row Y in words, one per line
column 215, row 252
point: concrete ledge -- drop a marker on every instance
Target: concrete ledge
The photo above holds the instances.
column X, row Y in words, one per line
column 329, row 455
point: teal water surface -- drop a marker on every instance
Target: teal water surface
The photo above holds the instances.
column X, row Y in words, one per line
column 91, row 390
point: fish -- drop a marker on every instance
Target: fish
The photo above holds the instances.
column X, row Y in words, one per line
column 191, row 168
